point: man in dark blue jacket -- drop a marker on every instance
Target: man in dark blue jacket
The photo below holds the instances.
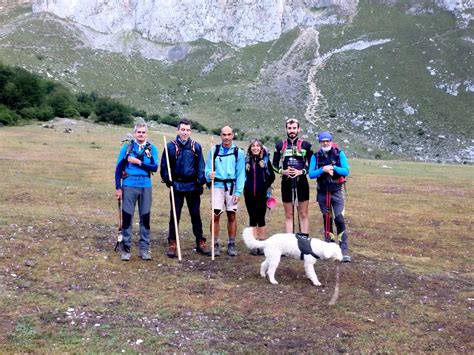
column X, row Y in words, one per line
column 187, row 178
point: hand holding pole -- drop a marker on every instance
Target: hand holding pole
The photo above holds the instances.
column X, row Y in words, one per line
column 173, row 205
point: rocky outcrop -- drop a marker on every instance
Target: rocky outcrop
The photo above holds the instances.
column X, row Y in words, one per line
column 236, row 23
column 8, row 4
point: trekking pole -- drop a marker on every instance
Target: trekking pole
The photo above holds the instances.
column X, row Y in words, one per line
column 212, row 201
column 119, row 236
column 327, row 231
column 173, row 206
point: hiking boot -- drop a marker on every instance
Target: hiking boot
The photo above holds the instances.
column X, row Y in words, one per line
column 254, row 251
column 202, row 248
column 231, row 249
column 346, row 258
column 171, row 249
column 217, row 249
column 125, row 256
column 145, row 255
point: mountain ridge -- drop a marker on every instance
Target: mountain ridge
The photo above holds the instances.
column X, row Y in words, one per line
column 355, row 79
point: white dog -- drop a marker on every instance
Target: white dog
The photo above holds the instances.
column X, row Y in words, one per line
column 287, row 244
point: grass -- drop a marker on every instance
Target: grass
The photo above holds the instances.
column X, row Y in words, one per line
column 63, row 289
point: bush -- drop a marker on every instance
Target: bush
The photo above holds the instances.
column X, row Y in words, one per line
column 42, row 113
column 7, row 116
column 155, row 117
column 139, row 113
column 71, row 112
column 172, row 119
column 198, row 127
column 111, row 111
column 84, row 109
column 61, row 100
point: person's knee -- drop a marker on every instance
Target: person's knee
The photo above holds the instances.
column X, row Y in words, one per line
column 126, row 220
column 303, row 213
column 340, row 223
column 231, row 217
column 146, row 220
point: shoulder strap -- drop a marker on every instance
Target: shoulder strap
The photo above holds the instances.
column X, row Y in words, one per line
column 299, row 142
column 129, row 149
column 176, row 146
column 236, row 153
column 216, row 153
column 285, row 144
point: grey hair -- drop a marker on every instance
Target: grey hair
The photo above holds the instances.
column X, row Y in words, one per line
column 140, row 125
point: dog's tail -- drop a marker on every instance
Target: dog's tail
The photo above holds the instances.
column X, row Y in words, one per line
column 249, row 239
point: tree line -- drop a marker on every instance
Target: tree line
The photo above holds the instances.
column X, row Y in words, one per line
column 25, row 96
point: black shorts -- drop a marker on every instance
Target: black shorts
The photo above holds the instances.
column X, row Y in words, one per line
column 301, row 185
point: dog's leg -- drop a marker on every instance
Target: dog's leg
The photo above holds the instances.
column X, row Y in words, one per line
column 309, row 269
column 272, row 266
column 263, row 268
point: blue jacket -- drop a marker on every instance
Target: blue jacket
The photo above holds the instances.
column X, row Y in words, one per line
column 127, row 174
column 227, row 168
column 334, row 157
column 187, row 167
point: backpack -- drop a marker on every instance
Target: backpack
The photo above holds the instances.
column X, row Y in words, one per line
column 299, row 142
column 218, row 148
column 139, row 156
column 343, row 179
column 176, row 145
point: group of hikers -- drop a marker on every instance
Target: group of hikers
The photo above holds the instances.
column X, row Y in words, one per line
column 232, row 173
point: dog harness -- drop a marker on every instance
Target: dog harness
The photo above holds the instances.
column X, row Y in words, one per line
column 304, row 244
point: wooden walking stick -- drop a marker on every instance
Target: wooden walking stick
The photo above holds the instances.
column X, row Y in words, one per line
column 212, row 201
column 173, row 206
column 119, row 235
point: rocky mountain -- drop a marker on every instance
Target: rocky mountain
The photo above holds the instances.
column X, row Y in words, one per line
column 234, row 22
column 388, row 77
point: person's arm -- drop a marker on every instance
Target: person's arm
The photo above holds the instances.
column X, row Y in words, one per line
column 277, row 157
column 201, row 178
column 342, row 170
column 152, row 166
column 119, row 168
column 314, row 172
column 239, row 173
column 164, row 169
column 271, row 174
column 207, row 169
column 309, row 155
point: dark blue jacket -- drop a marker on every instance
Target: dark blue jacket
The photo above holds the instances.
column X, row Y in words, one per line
column 187, row 167
column 259, row 175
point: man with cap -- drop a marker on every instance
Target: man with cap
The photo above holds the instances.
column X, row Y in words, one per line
column 329, row 166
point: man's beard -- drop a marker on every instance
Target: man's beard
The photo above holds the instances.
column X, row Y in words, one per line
column 292, row 135
column 326, row 149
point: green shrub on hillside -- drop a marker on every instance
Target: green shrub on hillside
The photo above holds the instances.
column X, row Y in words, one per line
column 7, row 116
column 41, row 113
column 112, row 111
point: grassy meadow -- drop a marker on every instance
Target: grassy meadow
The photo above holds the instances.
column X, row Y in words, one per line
column 63, row 289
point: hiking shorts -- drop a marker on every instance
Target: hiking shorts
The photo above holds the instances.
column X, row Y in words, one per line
column 299, row 183
column 222, row 201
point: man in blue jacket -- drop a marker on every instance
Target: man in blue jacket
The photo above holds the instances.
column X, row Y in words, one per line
column 329, row 166
column 229, row 180
column 187, row 175
column 135, row 164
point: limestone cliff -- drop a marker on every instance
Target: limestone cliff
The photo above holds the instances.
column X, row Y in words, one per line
column 239, row 23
